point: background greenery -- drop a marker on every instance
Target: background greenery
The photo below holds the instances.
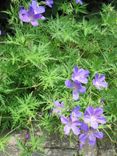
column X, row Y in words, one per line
column 36, row 61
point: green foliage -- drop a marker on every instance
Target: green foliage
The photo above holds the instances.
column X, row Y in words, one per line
column 35, row 62
column 34, row 144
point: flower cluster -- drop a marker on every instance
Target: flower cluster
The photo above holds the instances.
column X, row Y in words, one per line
column 83, row 124
column 34, row 12
column 80, row 77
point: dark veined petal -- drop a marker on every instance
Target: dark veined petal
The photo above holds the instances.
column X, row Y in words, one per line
column 23, row 15
column 98, row 111
column 82, row 89
column 102, row 77
column 83, row 138
column 84, row 127
column 101, row 119
column 37, row 16
column 75, row 70
column 92, row 139
column 69, row 84
column 64, row 120
column 98, row 135
column 89, row 110
column 31, row 12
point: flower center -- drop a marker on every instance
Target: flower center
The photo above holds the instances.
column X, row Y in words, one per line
column 93, row 119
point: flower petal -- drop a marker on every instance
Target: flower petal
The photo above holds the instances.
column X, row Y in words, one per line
column 69, row 84
column 79, row 2
column 34, row 23
column 23, row 15
column 37, row 16
column 67, row 129
column 75, row 95
column 75, row 130
column 98, row 111
column 82, row 89
column 84, row 127
column 92, row 139
column 41, row 9
column 64, row 120
column 102, row 77
column 98, row 135
column 101, row 120
column 83, row 138
column 75, row 70
column 57, row 103
column 89, row 110
column 31, row 12
column 94, row 124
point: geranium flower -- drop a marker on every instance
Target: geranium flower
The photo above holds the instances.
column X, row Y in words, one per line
column 49, row 3
column 32, row 14
column 80, row 75
column 58, row 107
column 94, row 116
column 70, row 125
column 89, row 136
column 75, row 114
column 77, row 88
column 99, row 81
column 37, row 9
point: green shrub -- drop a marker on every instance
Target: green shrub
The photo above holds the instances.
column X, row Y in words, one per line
column 35, row 63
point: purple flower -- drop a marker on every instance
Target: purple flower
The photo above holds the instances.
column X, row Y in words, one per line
column 75, row 114
column 49, row 3
column 70, row 125
column 37, row 9
column 58, row 107
column 90, row 136
column 99, row 81
column 79, row 2
column 80, row 75
column 32, row 14
column 94, row 116
column 77, row 88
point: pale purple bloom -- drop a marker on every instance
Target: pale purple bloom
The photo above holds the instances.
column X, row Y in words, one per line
column 94, row 116
column 80, row 75
column 89, row 136
column 58, row 107
column 77, row 88
column 37, row 9
column 70, row 125
column 49, row 3
column 79, row 2
column 75, row 114
column 99, row 81
column 32, row 14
